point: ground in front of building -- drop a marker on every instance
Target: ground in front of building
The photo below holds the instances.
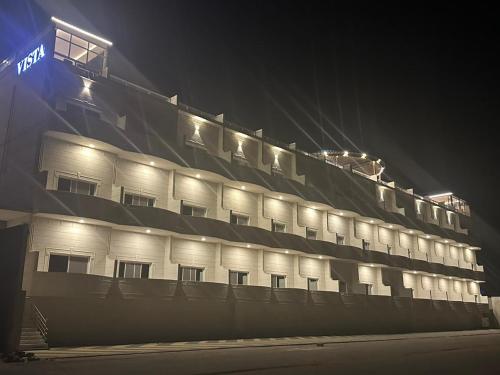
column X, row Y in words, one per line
column 466, row 352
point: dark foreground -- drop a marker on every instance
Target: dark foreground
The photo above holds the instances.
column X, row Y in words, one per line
column 478, row 354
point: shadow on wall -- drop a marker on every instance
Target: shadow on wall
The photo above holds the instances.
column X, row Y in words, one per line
column 96, row 310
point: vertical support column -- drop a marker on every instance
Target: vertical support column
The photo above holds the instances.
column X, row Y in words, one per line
column 263, row 279
column 172, row 203
column 220, row 273
column 262, row 222
column 222, row 213
column 327, row 235
column 170, row 269
column 296, row 229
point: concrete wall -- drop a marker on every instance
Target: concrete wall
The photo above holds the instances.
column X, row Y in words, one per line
column 163, row 310
column 198, row 192
column 242, row 202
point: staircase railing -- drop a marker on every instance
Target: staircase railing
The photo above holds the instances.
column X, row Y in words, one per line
column 40, row 321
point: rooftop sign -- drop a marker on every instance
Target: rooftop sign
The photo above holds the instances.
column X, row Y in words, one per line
column 32, row 58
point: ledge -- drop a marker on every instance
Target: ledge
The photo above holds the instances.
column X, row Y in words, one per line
column 70, row 204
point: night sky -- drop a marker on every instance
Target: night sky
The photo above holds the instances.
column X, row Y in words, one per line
column 417, row 87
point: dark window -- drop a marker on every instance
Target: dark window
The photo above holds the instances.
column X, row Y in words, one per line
column 312, row 284
column 366, row 245
column 193, row 210
column 278, row 281
column 238, row 278
column 340, row 240
column 239, row 219
column 58, row 263
column 190, row 274
column 138, row 200
column 133, row 270
column 70, row 264
column 76, row 186
column 311, row 234
column 279, row 227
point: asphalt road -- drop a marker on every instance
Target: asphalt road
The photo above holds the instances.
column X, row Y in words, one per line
column 478, row 354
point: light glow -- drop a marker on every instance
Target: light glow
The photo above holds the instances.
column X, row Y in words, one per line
column 243, row 187
column 148, row 230
column 346, row 153
column 198, row 175
column 363, row 156
column 91, row 145
column 203, row 239
column 81, row 221
column 151, row 163
column 440, row 195
column 72, row 27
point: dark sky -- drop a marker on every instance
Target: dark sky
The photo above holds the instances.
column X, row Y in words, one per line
column 418, row 87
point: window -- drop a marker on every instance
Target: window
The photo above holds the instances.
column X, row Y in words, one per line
column 340, row 239
column 133, row 270
column 279, row 227
column 76, row 186
column 68, row 263
column 311, row 234
column 239, row 219
column 238, row 278
column 366, row 245
column 190, row 274
column 278, row 281
column 138, row 200
column 72, row 47
column 312, row 284
column 189, row 210
column 342, row 287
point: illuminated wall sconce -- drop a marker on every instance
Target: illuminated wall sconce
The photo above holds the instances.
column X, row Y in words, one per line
column 346, row 153
column 276, row 164
column 363, row 156
column 239, row 151
column 196, row 138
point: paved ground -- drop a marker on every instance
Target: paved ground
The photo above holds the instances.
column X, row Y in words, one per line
column 470, row 352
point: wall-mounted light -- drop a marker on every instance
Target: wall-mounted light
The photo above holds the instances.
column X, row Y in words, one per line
column 321, row 257
column 391, row 226
column 148, row 230
column 91, row 145
column 198, row 175
column 346, row 153
column 280, row 197
column 81, row 221
column 203, row 239
column 248, row 246
column 286, row 251
column 411, row 232
column 379, row 161
column 341, row 213
column 427, row 236
column 243, row 187
column 363, row 156
column 151, row 163
column 371, row 221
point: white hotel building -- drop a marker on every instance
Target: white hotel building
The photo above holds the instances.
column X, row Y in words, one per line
column 143, row 219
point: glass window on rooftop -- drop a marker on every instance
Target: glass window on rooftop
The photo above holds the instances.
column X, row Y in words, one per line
column 76, row 49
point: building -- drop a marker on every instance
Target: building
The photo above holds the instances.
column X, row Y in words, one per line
column 132, row 217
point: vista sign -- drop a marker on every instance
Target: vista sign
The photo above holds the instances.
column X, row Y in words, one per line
column 32, row 58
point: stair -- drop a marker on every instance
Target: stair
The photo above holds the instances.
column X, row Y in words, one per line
column 31, row 339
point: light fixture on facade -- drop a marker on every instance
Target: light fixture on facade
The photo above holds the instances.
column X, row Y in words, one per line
column 341, row 213
column 434, row 275
column 427, row 236
column 203, row 239
column 248, row 245
column 321, row 257
column 198, row 175
column 372, row 265
column 449, row 277
column 379, row 161
column 81, row 221
column 280, row 197
column 391, row 226
column 411, row 232
column 414, row 272
column 151, row 163
column 371, row 221
column 346, row 153
column 243, row 187
column 363, row 156
column 148, row 230
column 286, row 251
column 325, row 154
column 91, row 145
column 446, row 241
